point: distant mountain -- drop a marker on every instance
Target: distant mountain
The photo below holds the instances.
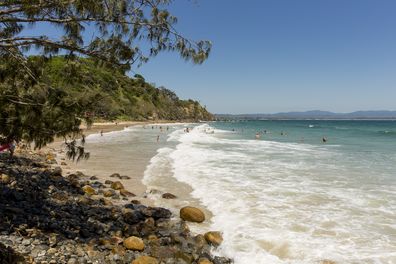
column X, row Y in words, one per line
column 314, row 114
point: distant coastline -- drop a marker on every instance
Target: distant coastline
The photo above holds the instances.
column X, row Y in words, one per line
column 313, row 115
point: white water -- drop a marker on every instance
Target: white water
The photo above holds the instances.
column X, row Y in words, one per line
column 282, row 202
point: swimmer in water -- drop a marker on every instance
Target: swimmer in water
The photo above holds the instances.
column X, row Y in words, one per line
column 257, row 135
column 324, row 139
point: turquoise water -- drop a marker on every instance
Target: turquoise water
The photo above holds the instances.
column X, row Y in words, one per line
column 288, row 197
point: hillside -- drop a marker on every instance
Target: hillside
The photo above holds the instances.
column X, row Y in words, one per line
column 114, row 95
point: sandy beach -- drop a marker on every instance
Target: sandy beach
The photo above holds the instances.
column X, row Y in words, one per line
column 102, row 167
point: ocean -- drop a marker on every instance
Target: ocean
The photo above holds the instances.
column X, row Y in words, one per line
column 287, row 196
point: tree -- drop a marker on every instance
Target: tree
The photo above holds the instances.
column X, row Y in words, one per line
column 118, row 29
column 121, row 33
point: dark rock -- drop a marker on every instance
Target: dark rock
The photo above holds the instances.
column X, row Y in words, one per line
column 132, row 216
column 117, row 185
column 156, row 212
column 57, row 171
column 126, row 193
column 169, row 196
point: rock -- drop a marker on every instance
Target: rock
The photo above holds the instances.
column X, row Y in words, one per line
column 327, row 261
column 135, row 202
column 5, row 179
column 200, row 241
column 125, row 193
column 124, row 177
column 214, row 238
column 89, row 190
column 63, row 163
column 119, row 250
column 145, row 260
column 80, row 174
column 192, row 214
column 117, row 185
column 115, row 175
column 93, row 178
column 108, row 182
column 107, row 202
column 72, row 261
column 115, row 240
column 134, row 243
column 187, row 258
column 204, row 261
column 156, row 212
column 108, row 193
column 57, row 171
column 132, row 216
column 169, row 196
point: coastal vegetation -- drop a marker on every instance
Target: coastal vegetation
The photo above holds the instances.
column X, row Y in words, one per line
column 43, row 97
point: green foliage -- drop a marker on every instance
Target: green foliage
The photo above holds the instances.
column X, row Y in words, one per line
column 117, row 29
column 61, row 92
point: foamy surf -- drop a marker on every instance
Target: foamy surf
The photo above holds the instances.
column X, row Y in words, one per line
column 283, row 202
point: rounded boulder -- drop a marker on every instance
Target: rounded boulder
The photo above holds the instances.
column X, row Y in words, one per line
column 192, row 214
column 214, row 238
column 117, row 185
column 89, row 190
column 134, row 243
column 145, row 260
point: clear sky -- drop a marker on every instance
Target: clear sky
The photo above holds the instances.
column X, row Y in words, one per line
column 284, row 55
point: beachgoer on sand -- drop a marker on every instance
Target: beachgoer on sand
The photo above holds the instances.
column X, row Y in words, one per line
column 8, row 146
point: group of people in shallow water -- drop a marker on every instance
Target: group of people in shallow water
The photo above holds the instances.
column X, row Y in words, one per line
column 282, row 133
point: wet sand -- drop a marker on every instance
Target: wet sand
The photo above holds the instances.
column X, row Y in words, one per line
column 100, row 165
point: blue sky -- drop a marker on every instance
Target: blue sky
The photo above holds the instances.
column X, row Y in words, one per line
column 285, row 55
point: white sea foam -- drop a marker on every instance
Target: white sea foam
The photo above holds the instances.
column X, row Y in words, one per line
column 283, row 202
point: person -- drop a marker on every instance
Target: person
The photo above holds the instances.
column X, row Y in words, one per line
column 187, row 130
column 257, row 135
column 8, row 146
column 324, row 139
column 158, row 138
column 101, row 133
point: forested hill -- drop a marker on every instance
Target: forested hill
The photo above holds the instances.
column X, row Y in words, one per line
column 114, row 95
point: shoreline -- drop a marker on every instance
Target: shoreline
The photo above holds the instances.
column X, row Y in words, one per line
column 163, row 244
column 134, row 185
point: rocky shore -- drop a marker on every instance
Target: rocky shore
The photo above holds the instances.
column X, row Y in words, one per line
column 48, row 217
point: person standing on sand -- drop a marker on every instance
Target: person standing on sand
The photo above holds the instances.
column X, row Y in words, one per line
column 10, row 146
column 101, row 133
